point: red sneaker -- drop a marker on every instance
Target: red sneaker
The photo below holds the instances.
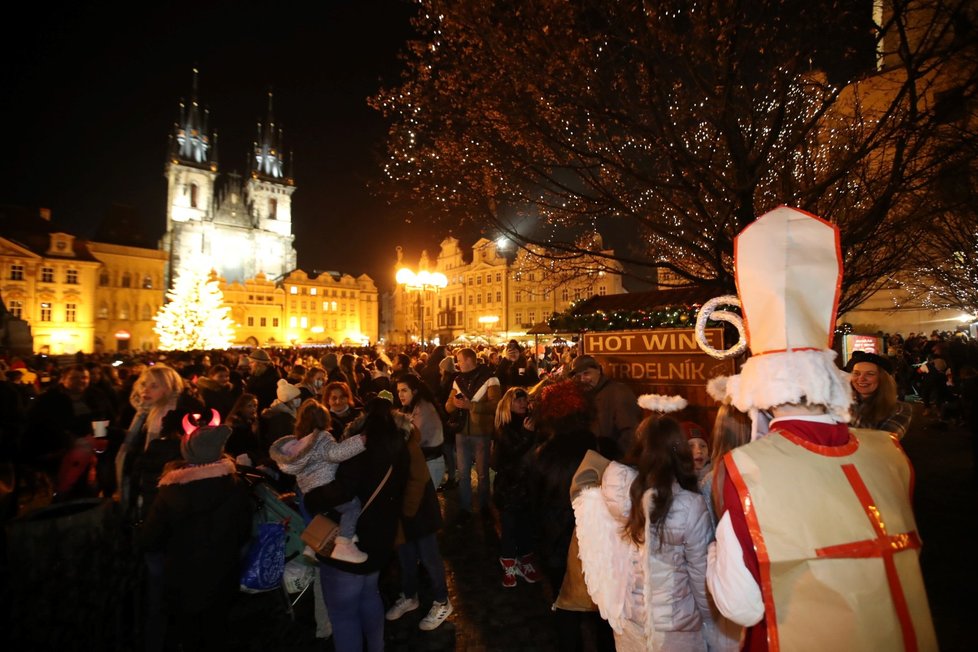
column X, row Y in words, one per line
column 526, row 566
column 510, row 571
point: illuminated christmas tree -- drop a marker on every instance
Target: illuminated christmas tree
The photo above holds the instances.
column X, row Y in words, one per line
column 195, row 318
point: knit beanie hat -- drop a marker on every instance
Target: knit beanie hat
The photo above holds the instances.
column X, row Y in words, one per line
column 693, row 431
column 205, row 444
column 285, row 391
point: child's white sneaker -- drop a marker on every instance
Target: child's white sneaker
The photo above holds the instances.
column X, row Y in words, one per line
column 346, row 550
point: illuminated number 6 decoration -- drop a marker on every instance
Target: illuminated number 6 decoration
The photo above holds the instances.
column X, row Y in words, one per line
column 707, row 313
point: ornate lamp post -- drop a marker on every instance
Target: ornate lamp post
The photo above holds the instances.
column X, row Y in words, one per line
column 421, row 283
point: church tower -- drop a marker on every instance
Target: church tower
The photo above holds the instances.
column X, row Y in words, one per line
column 238, row 228
column 191, row 172
column 269, row 192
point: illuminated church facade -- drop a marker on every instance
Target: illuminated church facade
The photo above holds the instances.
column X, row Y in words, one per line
column 239, row 227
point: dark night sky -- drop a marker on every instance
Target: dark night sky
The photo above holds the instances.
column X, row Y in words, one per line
column 91, row 95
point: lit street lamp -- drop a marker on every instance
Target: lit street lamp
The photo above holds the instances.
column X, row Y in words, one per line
column 421, row 282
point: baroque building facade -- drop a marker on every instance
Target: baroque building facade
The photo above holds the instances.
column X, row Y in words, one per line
column 495, row 291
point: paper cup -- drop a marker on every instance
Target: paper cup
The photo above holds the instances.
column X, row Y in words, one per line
column 100, row 428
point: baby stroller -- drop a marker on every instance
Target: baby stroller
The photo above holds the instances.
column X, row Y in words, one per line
column 275, row 507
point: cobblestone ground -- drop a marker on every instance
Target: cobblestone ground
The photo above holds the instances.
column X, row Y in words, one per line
column 489, row 617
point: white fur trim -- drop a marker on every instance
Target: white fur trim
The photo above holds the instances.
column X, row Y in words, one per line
column 772, row 379
column 185, row 474
column 661, row 402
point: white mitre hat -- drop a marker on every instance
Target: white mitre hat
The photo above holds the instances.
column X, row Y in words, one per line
column 788, row 269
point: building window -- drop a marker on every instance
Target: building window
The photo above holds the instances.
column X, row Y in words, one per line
column 577, row 294
column 263, row 322
column 488, row 297
column 499, row 297
column 70, row 311
column 47, row 275
column 294, row 290
column 103, row 278
column 533, row 316
column 488, row 279
column 565, row 295
column 274, row 322
column 124, row 312
column 293, row 322
column 471, row 281
column 16, row 308
column 45, row 311
column 532, row 275
column 103, row 311
column 333, row 306
column 499, row 277
column 312, row 291
column 16, row 272
column 193, row 195
column 126, row 280
column 471, row 300
column 71, row 277
column 147, row 282
column 251, row 321
column 519, row 317
column 147, row 312
column 272, row 208
column 519, row 296
column 601, row 290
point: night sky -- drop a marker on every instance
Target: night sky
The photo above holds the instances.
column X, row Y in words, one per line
column 91, row 95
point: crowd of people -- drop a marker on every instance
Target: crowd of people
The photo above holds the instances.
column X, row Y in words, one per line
column 372, row 436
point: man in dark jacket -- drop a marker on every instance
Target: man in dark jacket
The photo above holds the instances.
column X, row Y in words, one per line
column 264, row 378
column 618, row 413
column 61, row 414
column 216, row 390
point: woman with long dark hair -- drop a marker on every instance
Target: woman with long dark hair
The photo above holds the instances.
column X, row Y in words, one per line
column 649, row 543
column 351, row 591
column 418, row 403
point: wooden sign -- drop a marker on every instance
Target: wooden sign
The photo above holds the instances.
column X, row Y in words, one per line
column 667, row 361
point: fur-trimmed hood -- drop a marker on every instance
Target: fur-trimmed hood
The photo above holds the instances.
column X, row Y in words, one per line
column 183, row 473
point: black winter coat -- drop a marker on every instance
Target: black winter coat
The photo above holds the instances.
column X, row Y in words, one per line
column 377, row 525
column 201, row 520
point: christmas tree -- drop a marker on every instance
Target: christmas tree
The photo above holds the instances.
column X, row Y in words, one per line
column 195, row 317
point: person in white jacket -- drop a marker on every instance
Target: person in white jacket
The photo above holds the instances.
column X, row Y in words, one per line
column 643, row 537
